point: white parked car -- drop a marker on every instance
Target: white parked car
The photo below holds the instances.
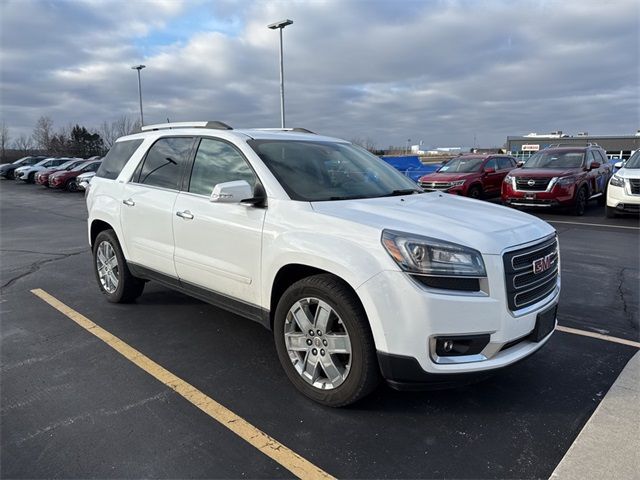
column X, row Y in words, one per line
column 623, row 194
column 358, row 272
column 28, row 172
column 84, row 180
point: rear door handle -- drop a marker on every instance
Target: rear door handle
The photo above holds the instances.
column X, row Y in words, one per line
column 187, row 215
column 129, row 202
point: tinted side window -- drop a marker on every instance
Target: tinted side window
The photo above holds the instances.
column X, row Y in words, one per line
column 491, row 163
column 163, row 164
column 117, row 158
column 505, row 163
column 218, row 162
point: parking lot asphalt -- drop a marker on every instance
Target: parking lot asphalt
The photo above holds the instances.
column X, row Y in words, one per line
column 70, row 406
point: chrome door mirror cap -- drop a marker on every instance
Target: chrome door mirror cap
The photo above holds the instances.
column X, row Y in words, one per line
column 231, row 192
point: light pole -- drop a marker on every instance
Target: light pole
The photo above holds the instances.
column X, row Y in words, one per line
column 280, row 26
column 138, row 68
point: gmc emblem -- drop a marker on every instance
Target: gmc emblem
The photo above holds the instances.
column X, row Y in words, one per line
column 542, row 264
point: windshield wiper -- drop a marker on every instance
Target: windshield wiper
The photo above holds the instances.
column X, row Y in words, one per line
column 405, row 191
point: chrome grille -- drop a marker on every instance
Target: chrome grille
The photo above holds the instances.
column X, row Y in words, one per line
column 524, row 286
column 436, row 185
column 532, row 184
column 634, row 185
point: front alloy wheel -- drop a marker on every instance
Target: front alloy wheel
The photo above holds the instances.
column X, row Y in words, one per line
column 318, row 343
column 324, row 341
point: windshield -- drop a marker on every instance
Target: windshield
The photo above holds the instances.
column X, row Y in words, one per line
column 462, row 165
column 67, row 165
column 81, row 166
column 634, row 161
column 568, row 159
column 21, row 160
column 318, row 171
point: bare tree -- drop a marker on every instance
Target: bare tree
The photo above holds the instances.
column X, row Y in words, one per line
column 42, row 133
column 23, row 143
column 4, row 140
column 366, row 143
column 111, row 131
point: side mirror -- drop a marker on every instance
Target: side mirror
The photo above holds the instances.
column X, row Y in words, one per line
column 618, row 165
column 490, row 170
column 594, row 165
column 519, row 163
column 231, row 192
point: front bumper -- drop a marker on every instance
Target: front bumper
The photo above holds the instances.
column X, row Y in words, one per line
column 407, row 318
column 622, row 200
column 558, row 196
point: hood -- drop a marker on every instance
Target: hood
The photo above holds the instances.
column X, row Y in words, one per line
column 448, row 177
column 628, row 172
column 481, row 225
column 545, row 172
column 5, row 165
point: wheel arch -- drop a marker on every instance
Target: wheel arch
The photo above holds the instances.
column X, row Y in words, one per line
column 98, row 226
column 290, row 273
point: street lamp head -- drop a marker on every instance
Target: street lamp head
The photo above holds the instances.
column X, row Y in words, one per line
column 280, row 24
column 138, row 67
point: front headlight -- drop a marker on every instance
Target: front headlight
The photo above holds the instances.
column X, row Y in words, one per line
column 508, row 179
column 566, row 181
column 429, row 256
column 617, row 181
column 457, row 183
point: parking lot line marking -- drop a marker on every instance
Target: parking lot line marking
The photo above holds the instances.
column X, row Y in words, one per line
column 607, row 338
column 593, row 224
column 273, row 449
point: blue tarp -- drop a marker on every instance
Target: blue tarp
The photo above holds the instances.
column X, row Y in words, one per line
column 411, row 166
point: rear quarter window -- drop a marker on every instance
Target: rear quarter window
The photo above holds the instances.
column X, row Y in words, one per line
column 117, row 158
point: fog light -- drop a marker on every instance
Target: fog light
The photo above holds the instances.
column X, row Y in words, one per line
column 459, row 345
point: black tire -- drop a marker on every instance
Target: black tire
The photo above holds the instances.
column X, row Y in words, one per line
column 71, row 185
column 10, row 175
column 129, row 287
column 31, row 178
column 580, row 202
column 611, row 212
column 363, row 374
column 475, row 192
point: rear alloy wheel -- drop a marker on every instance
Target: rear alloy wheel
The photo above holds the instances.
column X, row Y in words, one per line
column 324, row 342
column 581, row 202
column 72, row 185
column 113, row 275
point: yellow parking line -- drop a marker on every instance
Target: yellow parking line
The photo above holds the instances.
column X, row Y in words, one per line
column 607, row 338
column 593, row 224
column 273, row 449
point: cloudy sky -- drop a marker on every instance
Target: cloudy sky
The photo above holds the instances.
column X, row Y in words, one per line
column 439, row 71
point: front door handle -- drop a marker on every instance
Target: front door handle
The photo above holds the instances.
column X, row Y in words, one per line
column 129, row 202
column 187, row 215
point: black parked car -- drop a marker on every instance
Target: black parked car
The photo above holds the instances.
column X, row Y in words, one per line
column 7, row 169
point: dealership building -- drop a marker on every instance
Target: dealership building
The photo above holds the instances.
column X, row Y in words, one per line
column 620, row 146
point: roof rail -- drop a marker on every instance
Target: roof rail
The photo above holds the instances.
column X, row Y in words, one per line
column 168, row 126
column 295, row 129
column 555, row 145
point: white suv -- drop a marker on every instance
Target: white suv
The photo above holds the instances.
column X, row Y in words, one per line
column 358, row 272
column 623, row 194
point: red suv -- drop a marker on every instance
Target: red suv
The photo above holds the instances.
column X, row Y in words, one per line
column 559, row 177
column 42, row 178
column 67, row 178
column 474, row 176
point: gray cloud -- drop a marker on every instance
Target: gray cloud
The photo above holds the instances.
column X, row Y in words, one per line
column 440, row 71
